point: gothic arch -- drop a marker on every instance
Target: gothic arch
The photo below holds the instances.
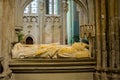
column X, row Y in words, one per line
column 82, row 7
column 25, row 3
column 29, row 40
column 81, row 4
column 29, row 36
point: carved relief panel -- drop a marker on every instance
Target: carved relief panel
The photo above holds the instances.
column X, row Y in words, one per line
column 52, row 29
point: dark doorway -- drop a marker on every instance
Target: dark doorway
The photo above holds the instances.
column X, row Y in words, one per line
column 1, row 68
column 29, row 40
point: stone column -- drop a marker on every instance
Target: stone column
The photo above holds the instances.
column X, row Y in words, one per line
column 41, row 20
column 75, row 22
column 111, row 33
column 8, row 23
column 1, row 2
column 19, row 9
column 119, row 33
column 64, row 21
column 90, row 11
column 98, row 39
column 103, row 37
column 72, row 19
column 117, row 51
column 113, row 39
column 18, row 13
column 69, row 24
column 117, row 20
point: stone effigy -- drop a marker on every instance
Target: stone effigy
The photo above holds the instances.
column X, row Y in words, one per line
column 53, row 50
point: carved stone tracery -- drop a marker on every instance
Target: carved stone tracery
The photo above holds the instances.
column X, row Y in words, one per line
column 87, row 31
column 52, row 23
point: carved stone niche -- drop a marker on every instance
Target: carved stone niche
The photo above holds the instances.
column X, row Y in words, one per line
column 52, row 30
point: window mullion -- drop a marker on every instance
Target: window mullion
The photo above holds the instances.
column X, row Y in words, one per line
column 30, row 9
column 52, row 7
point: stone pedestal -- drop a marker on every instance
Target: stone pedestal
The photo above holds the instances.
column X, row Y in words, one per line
column 55, row 76
column 52, row 69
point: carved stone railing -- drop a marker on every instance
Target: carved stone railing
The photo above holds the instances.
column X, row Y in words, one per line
column 52, row 65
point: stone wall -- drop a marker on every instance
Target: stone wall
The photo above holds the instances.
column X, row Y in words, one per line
column 55, row 76
column 7, row 31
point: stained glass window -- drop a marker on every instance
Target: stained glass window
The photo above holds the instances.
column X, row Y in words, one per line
column 32, row 7
column 53, row 7
column 26, row 9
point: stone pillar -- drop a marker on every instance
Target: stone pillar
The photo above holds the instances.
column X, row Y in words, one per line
column 113, row 39
column 111, row 33
column 119, row 33
column 116, row 42
column 64, row 21
column 1, row 2
column 19, row 9
column 1, row 56
column 91, row 11
column 18, row 13
column 75, row 22
column 72, row 22
column 69, row 24
column 72, row 19
column 103, row 38
column 8, row 23
column 41, row 20
column 98, row 39
column 117, row 21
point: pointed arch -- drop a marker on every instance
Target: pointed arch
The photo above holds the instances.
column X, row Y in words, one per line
column 29, row 39
column 83, row 8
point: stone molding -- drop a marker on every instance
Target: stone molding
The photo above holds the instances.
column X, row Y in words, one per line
column 52, row 65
